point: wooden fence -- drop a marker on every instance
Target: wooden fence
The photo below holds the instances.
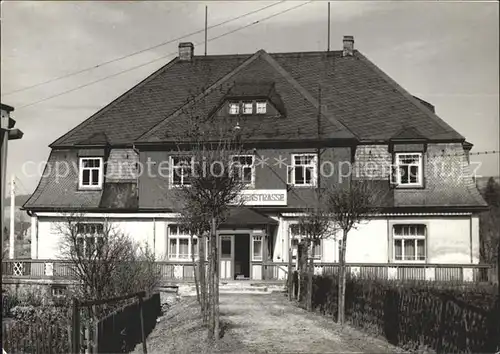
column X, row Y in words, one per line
column 275, row 271
column 118, row 331
column 446, row 319
column 37, row 337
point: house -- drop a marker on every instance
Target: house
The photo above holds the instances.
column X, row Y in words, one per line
column 288, row 106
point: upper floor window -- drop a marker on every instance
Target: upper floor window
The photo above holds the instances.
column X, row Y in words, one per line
column 247, row 107
column 91, row 172
column 89, row 239
column 180, row 170
column 409, row 242
column 302, row 172
column 297, row 235
column 261, row 107
column 180, row 243
column 243, row 169
column 408, row 169
column 234, row 108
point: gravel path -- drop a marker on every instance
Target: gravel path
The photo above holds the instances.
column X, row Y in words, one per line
column 271, row 324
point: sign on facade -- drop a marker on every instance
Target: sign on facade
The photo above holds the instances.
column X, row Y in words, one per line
column 263, row 197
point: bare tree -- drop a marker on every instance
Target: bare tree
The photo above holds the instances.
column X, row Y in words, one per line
column 212, row 183
column 313, row 226
column 105, row 262
column 350, row 206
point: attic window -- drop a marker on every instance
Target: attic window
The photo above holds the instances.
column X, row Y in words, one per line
column 234, row 108
column 261, row 107
column 247, row 107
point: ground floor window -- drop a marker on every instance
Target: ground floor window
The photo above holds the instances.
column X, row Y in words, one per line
column 89, row 239
column 257, row 248
column 296, row 236
column 179, row 243
column 409, row 242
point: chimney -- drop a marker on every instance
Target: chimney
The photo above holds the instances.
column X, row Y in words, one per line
column 186, row 51
column 348, row 46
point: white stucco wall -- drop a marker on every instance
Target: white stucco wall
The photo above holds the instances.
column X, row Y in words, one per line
column 368, row 243
column 46, row 238
column 448, row 238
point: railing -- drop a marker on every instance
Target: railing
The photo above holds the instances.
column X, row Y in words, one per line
column 184, row 271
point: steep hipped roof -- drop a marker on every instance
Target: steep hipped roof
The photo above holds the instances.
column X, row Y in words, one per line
column 355, row 94
column 302, row 109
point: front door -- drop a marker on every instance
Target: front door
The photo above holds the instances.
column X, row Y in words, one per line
column 226, row 256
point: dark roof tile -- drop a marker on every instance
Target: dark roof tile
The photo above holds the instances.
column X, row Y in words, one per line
column 353, row 91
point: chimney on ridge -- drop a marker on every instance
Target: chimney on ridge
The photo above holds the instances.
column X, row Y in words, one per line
column 186, row 51
column 348, row 46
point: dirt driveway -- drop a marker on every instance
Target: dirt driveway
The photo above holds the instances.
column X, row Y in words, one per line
column 252, row 323
column 270, row 324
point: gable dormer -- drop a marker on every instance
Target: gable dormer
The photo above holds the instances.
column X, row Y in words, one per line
column 252, row 99
column 407, row 148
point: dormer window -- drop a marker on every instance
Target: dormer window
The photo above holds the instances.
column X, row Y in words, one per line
column 408, row 169
column 234, row 108
column 261, row 107
column 91, row 173
column 247, row 107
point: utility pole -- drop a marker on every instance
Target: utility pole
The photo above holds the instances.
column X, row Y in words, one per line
column 328, row 26
column 8, row 132
column 206, row 29
column 12, row 215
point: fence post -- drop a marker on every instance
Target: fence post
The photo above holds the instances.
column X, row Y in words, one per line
column 76, row 327
column 143, row 334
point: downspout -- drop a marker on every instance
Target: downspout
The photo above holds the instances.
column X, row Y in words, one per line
column 389, row 249
column 470, row 235
column 36, row 238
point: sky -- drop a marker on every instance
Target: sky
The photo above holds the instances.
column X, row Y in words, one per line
column 446, row 53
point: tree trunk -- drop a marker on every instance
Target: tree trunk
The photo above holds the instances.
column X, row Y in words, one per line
column 210, row 281
column 216, row 279
column 202, row 271
column 290, row 274
column 193, row 259
column 310, row 272
column 342, row 281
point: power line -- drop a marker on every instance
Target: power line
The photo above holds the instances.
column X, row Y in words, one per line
column 65, row 76
column 160, row 58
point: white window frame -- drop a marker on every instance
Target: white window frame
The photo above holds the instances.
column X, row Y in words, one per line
column 313, row 164
column 234, row 104
column 409, row 238
column 180, row 235
column 252, row 166
column 261, row 107
column 299, row 238
column 260, row 257
column 173, row 167
column 86, row 236
column 244, row 106
column 100, row 175
column 58, row 291
column 397, row 159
